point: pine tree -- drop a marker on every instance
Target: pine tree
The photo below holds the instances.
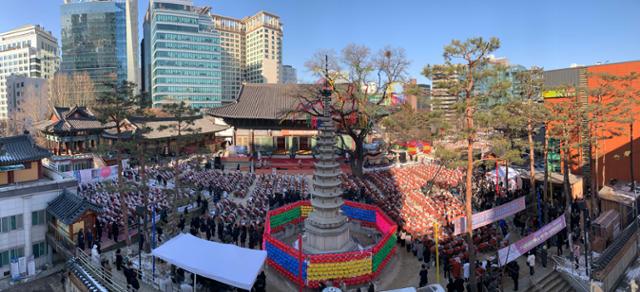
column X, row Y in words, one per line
column 114, row 108
column 183, row 127
column 467, row 61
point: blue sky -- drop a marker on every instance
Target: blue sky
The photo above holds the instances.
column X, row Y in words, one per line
column 552, row 34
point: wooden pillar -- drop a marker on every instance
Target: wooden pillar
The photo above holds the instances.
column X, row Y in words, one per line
column 253, row 143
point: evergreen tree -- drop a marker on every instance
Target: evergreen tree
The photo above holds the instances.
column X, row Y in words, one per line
column 114, row 108
column 467, row 61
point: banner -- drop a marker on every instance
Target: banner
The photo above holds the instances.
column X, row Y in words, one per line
column 525, row 244
column 489, row 216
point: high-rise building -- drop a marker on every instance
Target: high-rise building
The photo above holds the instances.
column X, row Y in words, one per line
column 100, row 37
column 251, row 50
column 27, row 101
column 441, row 99
column 181, row 61
column 26, row 51
column 289, row 75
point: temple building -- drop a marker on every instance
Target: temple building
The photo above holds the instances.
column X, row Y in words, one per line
column 261, row 121
column 72, row 134
column 159, row 133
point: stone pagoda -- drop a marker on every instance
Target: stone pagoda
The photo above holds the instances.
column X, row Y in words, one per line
column 326, row 228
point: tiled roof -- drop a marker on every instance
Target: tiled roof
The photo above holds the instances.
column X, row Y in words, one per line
column 68, row 207
column 19, row 149
column 264, row 101
column 161, row 128
column 77, row 118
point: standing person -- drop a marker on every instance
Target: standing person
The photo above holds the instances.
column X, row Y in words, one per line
column 81, row 239
column 114, row 229
column 559, row 245
column 119, row 259
column 466, row 271
column 98, row 231
column 576, row 254
column 372, row 288
column 426, row 254
column 424, row 276
column 531, row 262
column 181, row 223
column 543, row 256
column 514, row 273
column 89, row 238
column 450, row 286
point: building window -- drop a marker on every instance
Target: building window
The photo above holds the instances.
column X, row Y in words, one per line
column 7, row 255
column 39, row 249
column 11, row 223
column 38, row 217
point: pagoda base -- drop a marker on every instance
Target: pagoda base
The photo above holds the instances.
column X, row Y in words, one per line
column 334, row 240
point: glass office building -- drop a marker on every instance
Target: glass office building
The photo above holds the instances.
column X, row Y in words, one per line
column 95, row 38
column 181, row 61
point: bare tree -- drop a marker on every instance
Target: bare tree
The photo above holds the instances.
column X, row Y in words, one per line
column 72, row 89
column 31, row 108
column 359, row 104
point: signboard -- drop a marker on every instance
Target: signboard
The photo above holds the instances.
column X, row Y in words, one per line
column 558, row 93
column 299, row 132
column 489, row 216
column 522, row 246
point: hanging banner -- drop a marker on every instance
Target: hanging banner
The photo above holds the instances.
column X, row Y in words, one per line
column 489, row 216
column 525, row 244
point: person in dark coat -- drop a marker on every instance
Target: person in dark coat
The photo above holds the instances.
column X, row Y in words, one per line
column 115, row 231
column 424, row 276
column 459, row 285
column 450, row 286
column 89, row 238
column 159, row 231
column 98, row 231
column 119, row 259
column 205, row 207
column 141, row 241
column 261, row 283
column 543, row 256
column 426, row 254
column 514, row 272
column 181, row 223
column 81, row 239
column 372, row 288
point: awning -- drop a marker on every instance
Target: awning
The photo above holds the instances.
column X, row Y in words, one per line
column 224, row 263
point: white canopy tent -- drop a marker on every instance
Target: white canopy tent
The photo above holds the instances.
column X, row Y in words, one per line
column 224, row 263
column 515, row 182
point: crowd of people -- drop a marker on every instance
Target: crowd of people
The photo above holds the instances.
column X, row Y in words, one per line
column 232, row 206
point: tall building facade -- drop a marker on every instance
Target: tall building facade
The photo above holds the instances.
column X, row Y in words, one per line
column 289, row 75
column 27, row 101
column 100, row 37
column 26, row 51
column 182, row 57
column 251, row 50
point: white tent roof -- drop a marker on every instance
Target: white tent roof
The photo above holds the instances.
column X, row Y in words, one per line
column 224, row 263
column 502, row 171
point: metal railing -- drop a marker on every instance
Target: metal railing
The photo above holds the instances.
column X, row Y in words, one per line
column 575, row 281
column 98, row 273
